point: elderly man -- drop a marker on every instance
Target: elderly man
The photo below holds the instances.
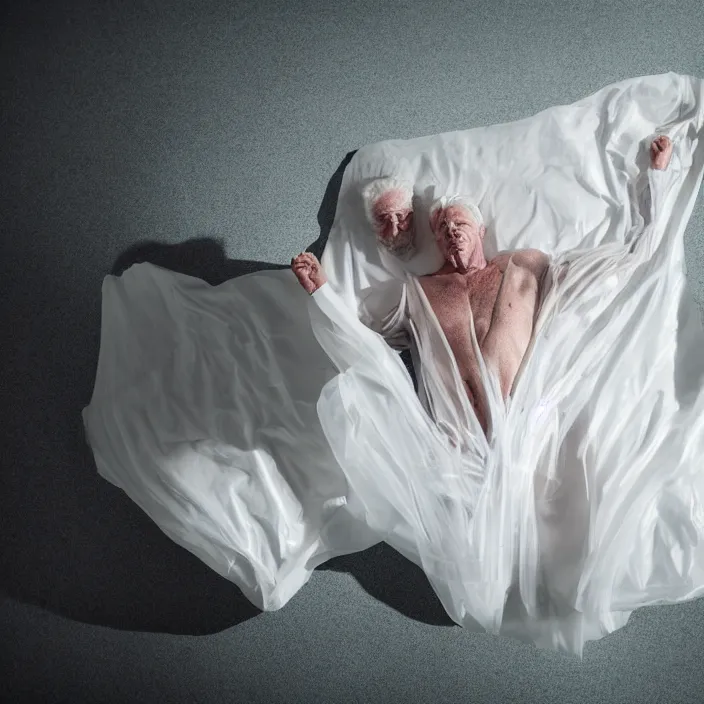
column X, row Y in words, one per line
column 495, row 301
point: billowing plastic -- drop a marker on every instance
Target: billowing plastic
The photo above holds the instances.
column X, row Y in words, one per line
column 267, row 431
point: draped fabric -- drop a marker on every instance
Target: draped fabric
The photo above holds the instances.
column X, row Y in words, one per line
column 267, row 431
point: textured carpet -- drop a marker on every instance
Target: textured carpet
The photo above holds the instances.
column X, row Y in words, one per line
column 210, row 137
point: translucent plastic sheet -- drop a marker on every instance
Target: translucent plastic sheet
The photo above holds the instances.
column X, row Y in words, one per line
column 267, row 431
column 585, row 504
column 203, row 415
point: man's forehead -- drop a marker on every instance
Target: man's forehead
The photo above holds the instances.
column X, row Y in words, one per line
column 395, row 199
column 458, row 211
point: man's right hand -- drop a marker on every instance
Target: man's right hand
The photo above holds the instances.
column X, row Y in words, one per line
column 308, row 271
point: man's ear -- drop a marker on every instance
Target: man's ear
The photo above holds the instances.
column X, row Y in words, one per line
column 482, row 231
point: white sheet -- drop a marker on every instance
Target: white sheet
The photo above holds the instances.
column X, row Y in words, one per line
column 202, row 414
column 266, row 431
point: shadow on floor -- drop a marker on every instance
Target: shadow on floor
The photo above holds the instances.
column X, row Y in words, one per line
column 74, row 544
column 202, row 258
column 328, row 206
column 394, row 580
column 205, row 258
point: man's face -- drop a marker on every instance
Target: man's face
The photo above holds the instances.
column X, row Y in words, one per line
column 459, row 238
column 393, row 219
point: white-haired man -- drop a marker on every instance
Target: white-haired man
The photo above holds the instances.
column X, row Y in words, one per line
column 388, row 204
column 499, row 298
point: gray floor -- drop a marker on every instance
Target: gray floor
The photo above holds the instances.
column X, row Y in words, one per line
column 226, row 123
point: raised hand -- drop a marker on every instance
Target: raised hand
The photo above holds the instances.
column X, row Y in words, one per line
column 660, row 152
column 308, row 271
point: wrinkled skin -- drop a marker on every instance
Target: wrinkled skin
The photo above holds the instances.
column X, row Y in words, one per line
column 393, row 221
column 309, row 272
column 459, row 238
column 500, row 297
column 392, row 215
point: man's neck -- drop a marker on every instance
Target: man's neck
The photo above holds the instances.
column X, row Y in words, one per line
column 449, row 268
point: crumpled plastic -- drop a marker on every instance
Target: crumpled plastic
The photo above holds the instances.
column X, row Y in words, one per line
column 268, row 431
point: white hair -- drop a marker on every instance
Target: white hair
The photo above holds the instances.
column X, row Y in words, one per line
column 374, row 190
column 462, row 201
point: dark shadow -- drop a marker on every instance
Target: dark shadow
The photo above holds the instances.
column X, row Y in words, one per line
column 202, row 258
column 74, row 544
column 328, row 207
column 380, row 570
column 110, row 565
column 394, row 580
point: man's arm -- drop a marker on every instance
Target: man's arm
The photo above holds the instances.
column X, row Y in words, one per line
column 533, row 260
column 392, row 327
column 646, row 202
column 501, row 260
column 514, row 315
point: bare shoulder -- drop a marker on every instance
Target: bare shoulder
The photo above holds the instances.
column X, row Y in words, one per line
column 501, row 260
column 531, row 259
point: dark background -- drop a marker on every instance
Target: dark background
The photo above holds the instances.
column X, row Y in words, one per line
column 211, row 138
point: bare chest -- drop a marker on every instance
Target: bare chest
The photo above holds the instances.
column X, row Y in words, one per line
column 482, row 291
column 454, row 296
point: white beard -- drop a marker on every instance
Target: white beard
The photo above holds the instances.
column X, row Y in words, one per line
column 403, row 246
